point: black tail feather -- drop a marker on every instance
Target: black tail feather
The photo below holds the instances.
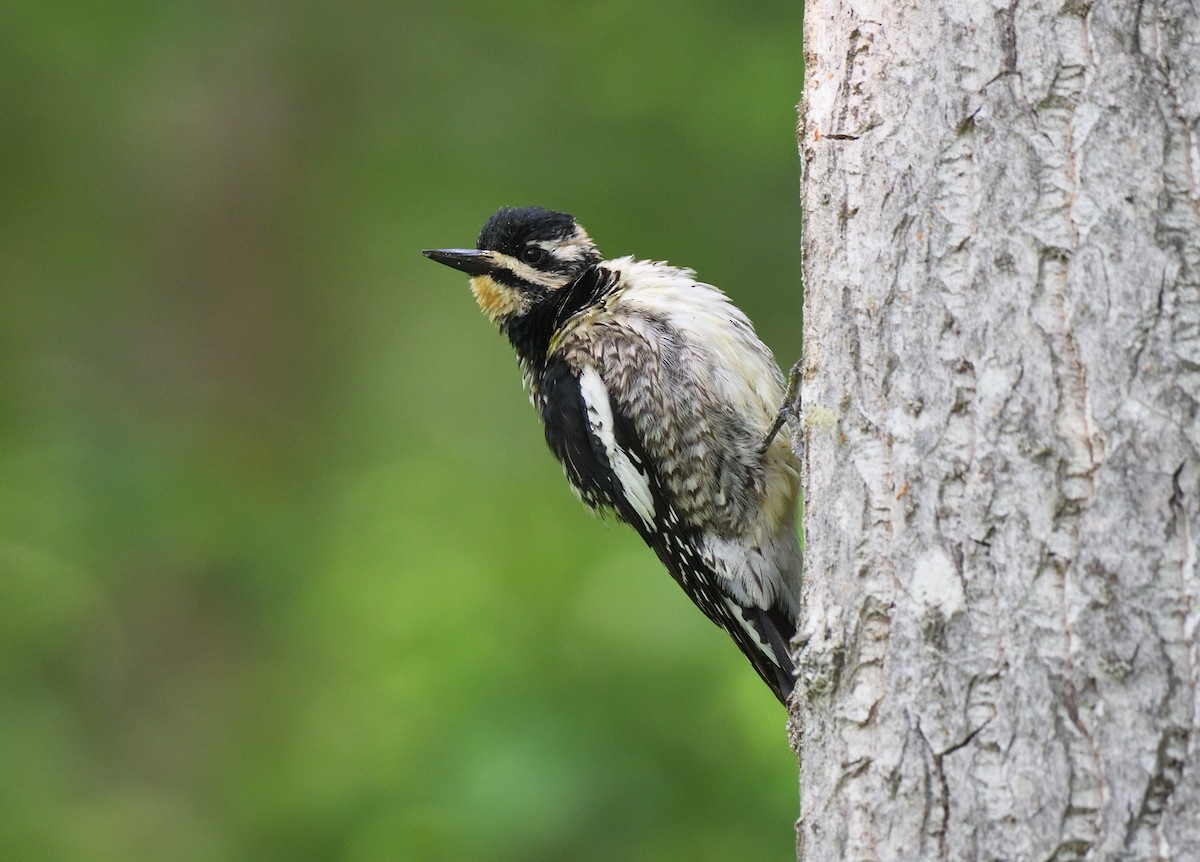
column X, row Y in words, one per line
column 777, row 630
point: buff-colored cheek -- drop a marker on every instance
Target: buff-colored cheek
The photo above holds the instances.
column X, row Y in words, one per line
column 496, row 300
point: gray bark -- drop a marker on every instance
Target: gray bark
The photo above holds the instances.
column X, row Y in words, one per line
column 998, row 653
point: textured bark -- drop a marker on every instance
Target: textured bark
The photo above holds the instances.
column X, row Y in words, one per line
column 999, row 654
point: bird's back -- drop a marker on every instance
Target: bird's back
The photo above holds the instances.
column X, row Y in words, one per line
column 701, row 392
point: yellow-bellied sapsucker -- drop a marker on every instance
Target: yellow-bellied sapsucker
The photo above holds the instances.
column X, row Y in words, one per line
column 660, row 402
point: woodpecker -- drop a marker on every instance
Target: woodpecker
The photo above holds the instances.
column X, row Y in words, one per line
column 661, row 404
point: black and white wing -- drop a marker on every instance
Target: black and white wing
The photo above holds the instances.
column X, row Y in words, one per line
column 607, row 465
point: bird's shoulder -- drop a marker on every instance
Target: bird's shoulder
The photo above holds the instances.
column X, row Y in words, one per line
column 597, row 445
column 661, row 340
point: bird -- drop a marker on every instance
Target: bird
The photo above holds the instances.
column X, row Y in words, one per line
column 662, row 406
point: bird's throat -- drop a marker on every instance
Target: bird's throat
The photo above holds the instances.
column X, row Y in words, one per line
column 498, row 301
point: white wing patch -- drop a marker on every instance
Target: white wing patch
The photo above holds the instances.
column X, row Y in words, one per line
column 739, row 614
column 631, row 480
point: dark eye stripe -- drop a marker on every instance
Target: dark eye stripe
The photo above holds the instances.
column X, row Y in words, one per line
column 506, row 276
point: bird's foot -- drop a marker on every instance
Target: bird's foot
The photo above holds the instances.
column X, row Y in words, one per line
column 790, row 410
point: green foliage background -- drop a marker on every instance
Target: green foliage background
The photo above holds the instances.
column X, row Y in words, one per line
column 286, row 571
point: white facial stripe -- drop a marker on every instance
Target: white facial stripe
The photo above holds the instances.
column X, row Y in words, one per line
column 568, row 248
column 525, row 272
column 559, row 249
column 631, row 481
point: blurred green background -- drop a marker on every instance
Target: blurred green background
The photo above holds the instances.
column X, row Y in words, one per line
column 286, row 570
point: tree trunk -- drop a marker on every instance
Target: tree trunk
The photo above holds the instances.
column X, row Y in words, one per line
column 999, row 654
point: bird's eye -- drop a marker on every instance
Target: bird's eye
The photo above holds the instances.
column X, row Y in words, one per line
column 533, row 254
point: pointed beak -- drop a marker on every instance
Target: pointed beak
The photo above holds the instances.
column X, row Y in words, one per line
column 468, row 260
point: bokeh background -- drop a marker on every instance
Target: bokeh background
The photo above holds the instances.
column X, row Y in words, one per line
column 286, row 570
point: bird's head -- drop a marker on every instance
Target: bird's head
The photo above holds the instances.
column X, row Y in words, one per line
column 523, row 255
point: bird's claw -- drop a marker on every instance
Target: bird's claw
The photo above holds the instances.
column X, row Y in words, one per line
column 789, row 411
